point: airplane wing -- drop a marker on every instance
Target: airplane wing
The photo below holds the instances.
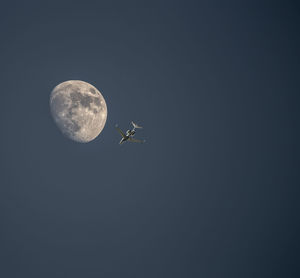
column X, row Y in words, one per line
column 121, row 132
column 136, row 140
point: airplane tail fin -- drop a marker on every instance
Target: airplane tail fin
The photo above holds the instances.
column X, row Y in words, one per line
column 135, row 125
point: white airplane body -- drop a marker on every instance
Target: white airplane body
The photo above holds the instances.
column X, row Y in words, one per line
column 128, row 136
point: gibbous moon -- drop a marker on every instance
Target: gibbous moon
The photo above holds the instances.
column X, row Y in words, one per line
column 78, row 109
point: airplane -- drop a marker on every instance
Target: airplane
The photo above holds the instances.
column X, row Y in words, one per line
column 128, row 136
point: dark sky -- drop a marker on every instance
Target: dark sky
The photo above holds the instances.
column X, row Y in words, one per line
column 214, row 192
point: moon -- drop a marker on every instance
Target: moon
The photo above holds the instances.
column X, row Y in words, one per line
column 78, row 109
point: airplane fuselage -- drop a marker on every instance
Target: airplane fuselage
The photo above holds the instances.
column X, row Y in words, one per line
column 129, row 133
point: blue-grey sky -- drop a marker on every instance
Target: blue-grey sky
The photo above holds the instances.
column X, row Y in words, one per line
column 213, row 193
